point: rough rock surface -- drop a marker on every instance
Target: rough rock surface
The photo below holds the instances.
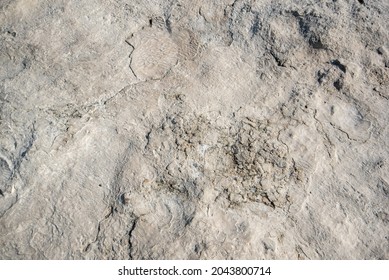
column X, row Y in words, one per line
column 232, row 129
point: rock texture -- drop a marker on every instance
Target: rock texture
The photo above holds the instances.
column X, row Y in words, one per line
column 232, row 129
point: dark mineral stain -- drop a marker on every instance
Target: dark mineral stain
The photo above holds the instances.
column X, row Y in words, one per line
column 338, row 84
column 315, row 42
column 339, row 65
column 255, row 27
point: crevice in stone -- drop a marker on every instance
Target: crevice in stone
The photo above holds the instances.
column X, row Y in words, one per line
column 130, row 241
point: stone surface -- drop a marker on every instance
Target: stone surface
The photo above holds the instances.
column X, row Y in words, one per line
column 194, row 129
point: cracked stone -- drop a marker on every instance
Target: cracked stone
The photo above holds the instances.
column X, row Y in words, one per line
column 194, row 130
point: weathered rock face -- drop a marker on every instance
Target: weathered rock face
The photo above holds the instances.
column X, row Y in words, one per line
column 194, row 129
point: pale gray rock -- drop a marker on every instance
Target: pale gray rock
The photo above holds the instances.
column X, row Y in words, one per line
column 229, row 129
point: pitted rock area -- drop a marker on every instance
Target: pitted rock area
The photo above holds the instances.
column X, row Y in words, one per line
column 230, row 129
